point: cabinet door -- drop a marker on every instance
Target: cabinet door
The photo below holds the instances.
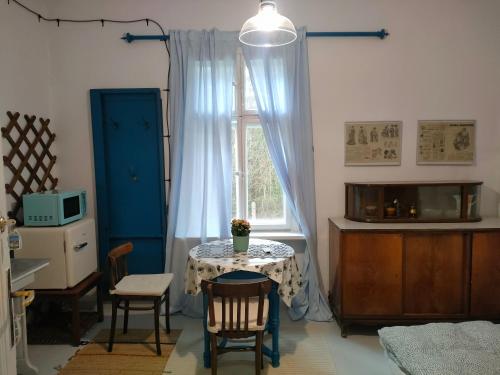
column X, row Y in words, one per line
column 485, row 276
column 371, row 273
column 435, row 277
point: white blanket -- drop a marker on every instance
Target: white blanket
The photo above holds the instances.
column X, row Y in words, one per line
column 470, row 348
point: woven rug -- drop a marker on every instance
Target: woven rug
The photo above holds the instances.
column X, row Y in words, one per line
column 135, row 336
column 137, row 358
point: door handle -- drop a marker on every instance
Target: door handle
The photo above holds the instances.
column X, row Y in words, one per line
column 80, row 246
column 5, row 222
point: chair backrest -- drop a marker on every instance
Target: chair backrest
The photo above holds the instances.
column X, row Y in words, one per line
column 117, row 261
column 236, row 293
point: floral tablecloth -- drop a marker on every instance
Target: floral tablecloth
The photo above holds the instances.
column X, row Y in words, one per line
column 270, row 258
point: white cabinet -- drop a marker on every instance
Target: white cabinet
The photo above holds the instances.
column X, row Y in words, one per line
column 71, row 249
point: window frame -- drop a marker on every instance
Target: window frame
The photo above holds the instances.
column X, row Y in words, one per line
column 243, row 117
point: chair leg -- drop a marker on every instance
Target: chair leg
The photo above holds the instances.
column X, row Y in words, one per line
column 100, row 307
column 213, row 359
column 258, row 352
column 75, row 320
column 125, row 317
column 113, row 323
column 167, row 310
column 261, row 352
column 157, row 325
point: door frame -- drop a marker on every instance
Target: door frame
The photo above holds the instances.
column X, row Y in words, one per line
column 8, row 363
column 101, row 199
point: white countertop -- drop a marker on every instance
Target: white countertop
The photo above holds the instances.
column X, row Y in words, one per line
column 488, row 223
column 22, row 271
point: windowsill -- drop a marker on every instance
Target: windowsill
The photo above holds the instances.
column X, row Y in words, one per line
column 277, row 235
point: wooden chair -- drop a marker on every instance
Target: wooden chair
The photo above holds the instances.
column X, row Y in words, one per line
column 125, row 288
column 235, row 311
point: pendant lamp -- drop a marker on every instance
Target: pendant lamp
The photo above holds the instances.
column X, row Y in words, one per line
column 268, row 28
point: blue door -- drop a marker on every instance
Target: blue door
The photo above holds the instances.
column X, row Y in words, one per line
column 129, row 173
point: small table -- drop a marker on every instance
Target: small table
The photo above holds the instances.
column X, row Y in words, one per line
column 74, row 294
column 22, row 274
column 270, row 258
column 23, row 271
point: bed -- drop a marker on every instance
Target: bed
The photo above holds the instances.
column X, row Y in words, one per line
column 469, row 348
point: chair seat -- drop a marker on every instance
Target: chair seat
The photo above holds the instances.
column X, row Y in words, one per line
column 143, row 285
column 253, row 304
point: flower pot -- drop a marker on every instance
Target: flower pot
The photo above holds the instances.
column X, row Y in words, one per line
column 240, row 243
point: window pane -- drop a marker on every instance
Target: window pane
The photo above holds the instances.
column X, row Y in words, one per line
column 249, row 99
column 265, row 202
column 234, row 151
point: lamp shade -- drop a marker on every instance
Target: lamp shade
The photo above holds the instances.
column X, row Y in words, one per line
column 268, row 28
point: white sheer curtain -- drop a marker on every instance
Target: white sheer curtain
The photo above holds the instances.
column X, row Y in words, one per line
column 280, row 78
column 201, row 92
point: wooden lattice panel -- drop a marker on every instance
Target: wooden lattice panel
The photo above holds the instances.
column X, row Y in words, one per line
column 29, row 158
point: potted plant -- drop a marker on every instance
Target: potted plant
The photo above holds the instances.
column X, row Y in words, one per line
column 240, row 229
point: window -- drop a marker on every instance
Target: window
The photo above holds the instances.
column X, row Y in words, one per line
column 257, row 193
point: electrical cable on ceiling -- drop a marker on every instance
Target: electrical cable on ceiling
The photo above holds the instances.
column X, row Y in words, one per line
column 102, row 21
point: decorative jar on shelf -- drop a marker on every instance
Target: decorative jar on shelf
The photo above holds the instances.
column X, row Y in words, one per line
column 240, row 229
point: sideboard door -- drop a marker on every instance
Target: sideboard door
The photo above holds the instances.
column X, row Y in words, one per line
column 372, row 274
column 435, row 277
column 485, row 276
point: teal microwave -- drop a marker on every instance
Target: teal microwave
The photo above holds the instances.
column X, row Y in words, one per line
column 54, row 208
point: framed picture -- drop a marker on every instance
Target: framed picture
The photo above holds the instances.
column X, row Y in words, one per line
column 372, row 143
column 446, row 142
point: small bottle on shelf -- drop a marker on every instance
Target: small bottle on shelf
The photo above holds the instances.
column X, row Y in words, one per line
column 397, row 206
column 412, row 212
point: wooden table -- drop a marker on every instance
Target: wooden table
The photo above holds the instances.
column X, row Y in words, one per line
column 272, row 259
column 74, row 294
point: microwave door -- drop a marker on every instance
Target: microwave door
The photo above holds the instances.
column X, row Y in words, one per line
column 71, row 207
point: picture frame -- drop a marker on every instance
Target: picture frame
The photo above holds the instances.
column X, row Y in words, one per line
column 446, row 142
column 368, row 143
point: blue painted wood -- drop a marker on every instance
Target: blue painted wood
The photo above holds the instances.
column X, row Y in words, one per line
column 381, row 34
column 206, row 336
column 273, row 323
column 131, row 37
column 129, row 173
column 147, row 256
column 100, row 180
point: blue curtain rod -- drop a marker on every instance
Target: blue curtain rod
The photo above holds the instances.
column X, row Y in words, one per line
column 382, row 33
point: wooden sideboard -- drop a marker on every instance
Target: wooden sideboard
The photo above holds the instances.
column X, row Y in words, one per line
column 414, row 272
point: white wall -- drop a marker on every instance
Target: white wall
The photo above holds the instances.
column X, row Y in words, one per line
column 24, row 68
column 496, row 135
column 24, row 63
column 440, row 62
column 24, row 88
